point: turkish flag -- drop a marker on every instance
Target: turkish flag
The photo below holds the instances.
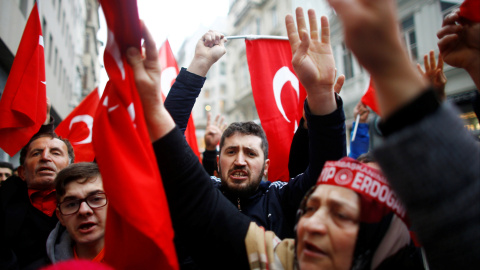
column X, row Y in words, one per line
column 139, row 233
column 77, row 127
column 369, row 98
column 23, row 106
column 470, row 9
column 279, row 98
column 170, row 70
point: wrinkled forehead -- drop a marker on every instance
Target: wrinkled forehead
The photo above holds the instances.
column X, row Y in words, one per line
column 47, row 142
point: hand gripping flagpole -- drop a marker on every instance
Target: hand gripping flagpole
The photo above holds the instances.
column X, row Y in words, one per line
column 254, row 37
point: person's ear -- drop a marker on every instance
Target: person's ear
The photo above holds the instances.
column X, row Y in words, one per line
column 59, row 216
column 265, row 169
column 21, row 172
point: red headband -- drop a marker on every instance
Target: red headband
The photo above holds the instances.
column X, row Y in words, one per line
column 378, row 199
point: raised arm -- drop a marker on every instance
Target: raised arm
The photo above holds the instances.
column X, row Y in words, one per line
column 314, row 65
column 428, row 157
column 184, row 92
column 196, row 207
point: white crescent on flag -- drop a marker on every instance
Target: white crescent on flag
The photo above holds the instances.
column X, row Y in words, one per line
column 87, row 119
column 282, row 76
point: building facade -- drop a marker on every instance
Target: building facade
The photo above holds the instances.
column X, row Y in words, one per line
column 70, row 45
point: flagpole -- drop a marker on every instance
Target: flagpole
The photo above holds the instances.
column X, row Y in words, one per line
column 254, row 37
column 355, row 128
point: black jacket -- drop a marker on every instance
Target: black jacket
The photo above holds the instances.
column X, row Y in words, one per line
column 23, row 228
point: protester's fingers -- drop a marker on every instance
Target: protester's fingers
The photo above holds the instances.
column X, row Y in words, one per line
column 304, row 44
column 216, row 120
column 433, row 63
column 449, row 30
column 151, row 52
column 312, row 20
column 301, row 24
column 451, row 18
column 339, row 84
column 420, row 70
column 446, row 42
column 209, row 117
column 134, row 59
column 220, row 124
column 440, row 62
column 425, row 63
column 325, row 30
column 292, row 33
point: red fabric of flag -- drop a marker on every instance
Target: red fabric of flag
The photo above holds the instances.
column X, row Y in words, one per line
column 139, row 233
column 23, row 106
column 77, row 127
column 369, row 98
column 278, row 97
column 170, row 71
column 470, row 9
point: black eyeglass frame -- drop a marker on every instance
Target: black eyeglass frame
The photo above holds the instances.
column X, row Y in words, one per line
column 80, row 201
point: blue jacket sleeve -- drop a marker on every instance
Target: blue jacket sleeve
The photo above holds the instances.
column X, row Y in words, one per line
column 362, row 140
column 182, row 96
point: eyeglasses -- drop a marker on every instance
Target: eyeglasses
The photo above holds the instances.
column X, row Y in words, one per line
column 94, row 201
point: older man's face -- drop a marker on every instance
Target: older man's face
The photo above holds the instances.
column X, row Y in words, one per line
column 45, row 157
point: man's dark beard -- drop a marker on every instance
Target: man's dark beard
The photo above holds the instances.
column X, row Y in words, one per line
column 243, row 192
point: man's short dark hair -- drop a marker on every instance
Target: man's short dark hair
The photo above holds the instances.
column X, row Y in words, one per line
column 7, row 165
column 53, row 135
column 78, row 171
column 246, row 128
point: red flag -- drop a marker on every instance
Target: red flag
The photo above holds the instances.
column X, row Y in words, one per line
column 23, row 107
column 470, row 9
column 279, row 98
column 77, row 127
column 139, row 233
column 170, row 71
column 369, row 98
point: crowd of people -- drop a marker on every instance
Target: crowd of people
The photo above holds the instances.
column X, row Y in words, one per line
column 336, row 212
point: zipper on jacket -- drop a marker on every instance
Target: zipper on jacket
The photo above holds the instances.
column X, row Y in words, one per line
column 238, row 205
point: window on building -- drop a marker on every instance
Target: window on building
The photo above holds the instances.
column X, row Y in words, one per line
column 50, row 46
column 347, row 62
column 55, row 62
column 409, row 35
column 44, row 27
column 66, row 36
column 87, row 42
column 89, row 12
column 60, row 75
column 85, row 78
column 223, row 68
column 24, row 7
column 223, row 89
column 206, row 93
column 273, row 11
column 63, row 22
column 59, row 9
column 53, row 3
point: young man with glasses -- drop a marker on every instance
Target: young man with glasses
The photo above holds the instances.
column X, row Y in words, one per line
column 82, row 213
